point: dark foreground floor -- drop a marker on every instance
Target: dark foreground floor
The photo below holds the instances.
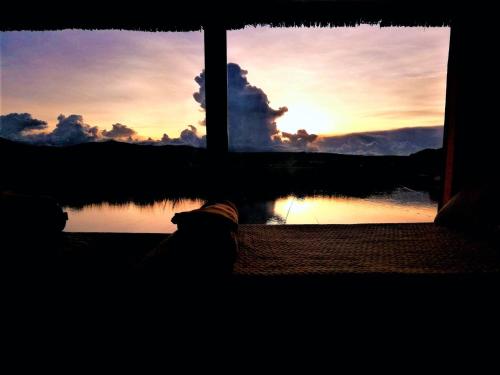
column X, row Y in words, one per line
column 331, row 275
column 354, row 286
column 339, row 282
column 322, row 262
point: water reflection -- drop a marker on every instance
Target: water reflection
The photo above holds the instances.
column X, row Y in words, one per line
column 401, row 205
column 129, row 217
column 401, row 208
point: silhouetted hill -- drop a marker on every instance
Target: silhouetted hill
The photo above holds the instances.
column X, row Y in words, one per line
column 118, row 171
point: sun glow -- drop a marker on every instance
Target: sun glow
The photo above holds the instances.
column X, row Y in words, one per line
column 311, row 117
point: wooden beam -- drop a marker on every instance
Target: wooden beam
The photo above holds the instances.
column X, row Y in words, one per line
column 216, row 88
column 470, row 145
column 451, row 118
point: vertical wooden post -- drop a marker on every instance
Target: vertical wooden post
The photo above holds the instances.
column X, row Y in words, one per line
column 216, row 88
column 470, row 148
column 452, row 118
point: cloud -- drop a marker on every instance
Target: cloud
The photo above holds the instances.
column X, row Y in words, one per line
column 404, row 141
column 200, row 95
column 16, row 126
column 120, row 132
column 408, row 113
column 69, row 130
column 188, row 137
column 251, row 121
column 300, row 141
column 73, row 130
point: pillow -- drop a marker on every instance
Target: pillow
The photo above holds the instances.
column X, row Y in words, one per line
column 204, row 246
column 221, row 215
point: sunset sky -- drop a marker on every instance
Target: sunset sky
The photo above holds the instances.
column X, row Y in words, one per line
column 333, row 81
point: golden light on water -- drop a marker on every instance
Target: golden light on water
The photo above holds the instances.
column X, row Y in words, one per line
column 129, row 217
column 340, row 210
column 156, row 218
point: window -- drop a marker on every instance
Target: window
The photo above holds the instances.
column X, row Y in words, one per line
column 303, row 93
column 68, row 87
column 351, row 90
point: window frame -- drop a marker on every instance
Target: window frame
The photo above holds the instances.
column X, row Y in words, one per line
column 215, row 46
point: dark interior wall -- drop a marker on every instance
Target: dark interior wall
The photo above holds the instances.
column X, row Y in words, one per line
column 471, row 103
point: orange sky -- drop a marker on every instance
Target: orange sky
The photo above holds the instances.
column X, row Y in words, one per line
column 343, row 80
column 333, row 81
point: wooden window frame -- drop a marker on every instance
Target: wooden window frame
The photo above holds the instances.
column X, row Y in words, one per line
column 215, row 36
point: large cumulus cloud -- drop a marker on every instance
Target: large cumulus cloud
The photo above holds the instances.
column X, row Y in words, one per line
column 251, row 120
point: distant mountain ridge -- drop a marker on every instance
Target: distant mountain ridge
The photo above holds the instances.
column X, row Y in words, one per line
column 117, row 172
column 398, row 142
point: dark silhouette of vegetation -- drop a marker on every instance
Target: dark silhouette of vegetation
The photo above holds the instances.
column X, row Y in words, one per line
column 120, row 172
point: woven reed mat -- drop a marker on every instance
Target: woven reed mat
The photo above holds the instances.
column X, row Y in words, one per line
column 284, row 250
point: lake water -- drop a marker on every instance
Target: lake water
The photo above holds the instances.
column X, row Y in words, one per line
column 400, row 206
